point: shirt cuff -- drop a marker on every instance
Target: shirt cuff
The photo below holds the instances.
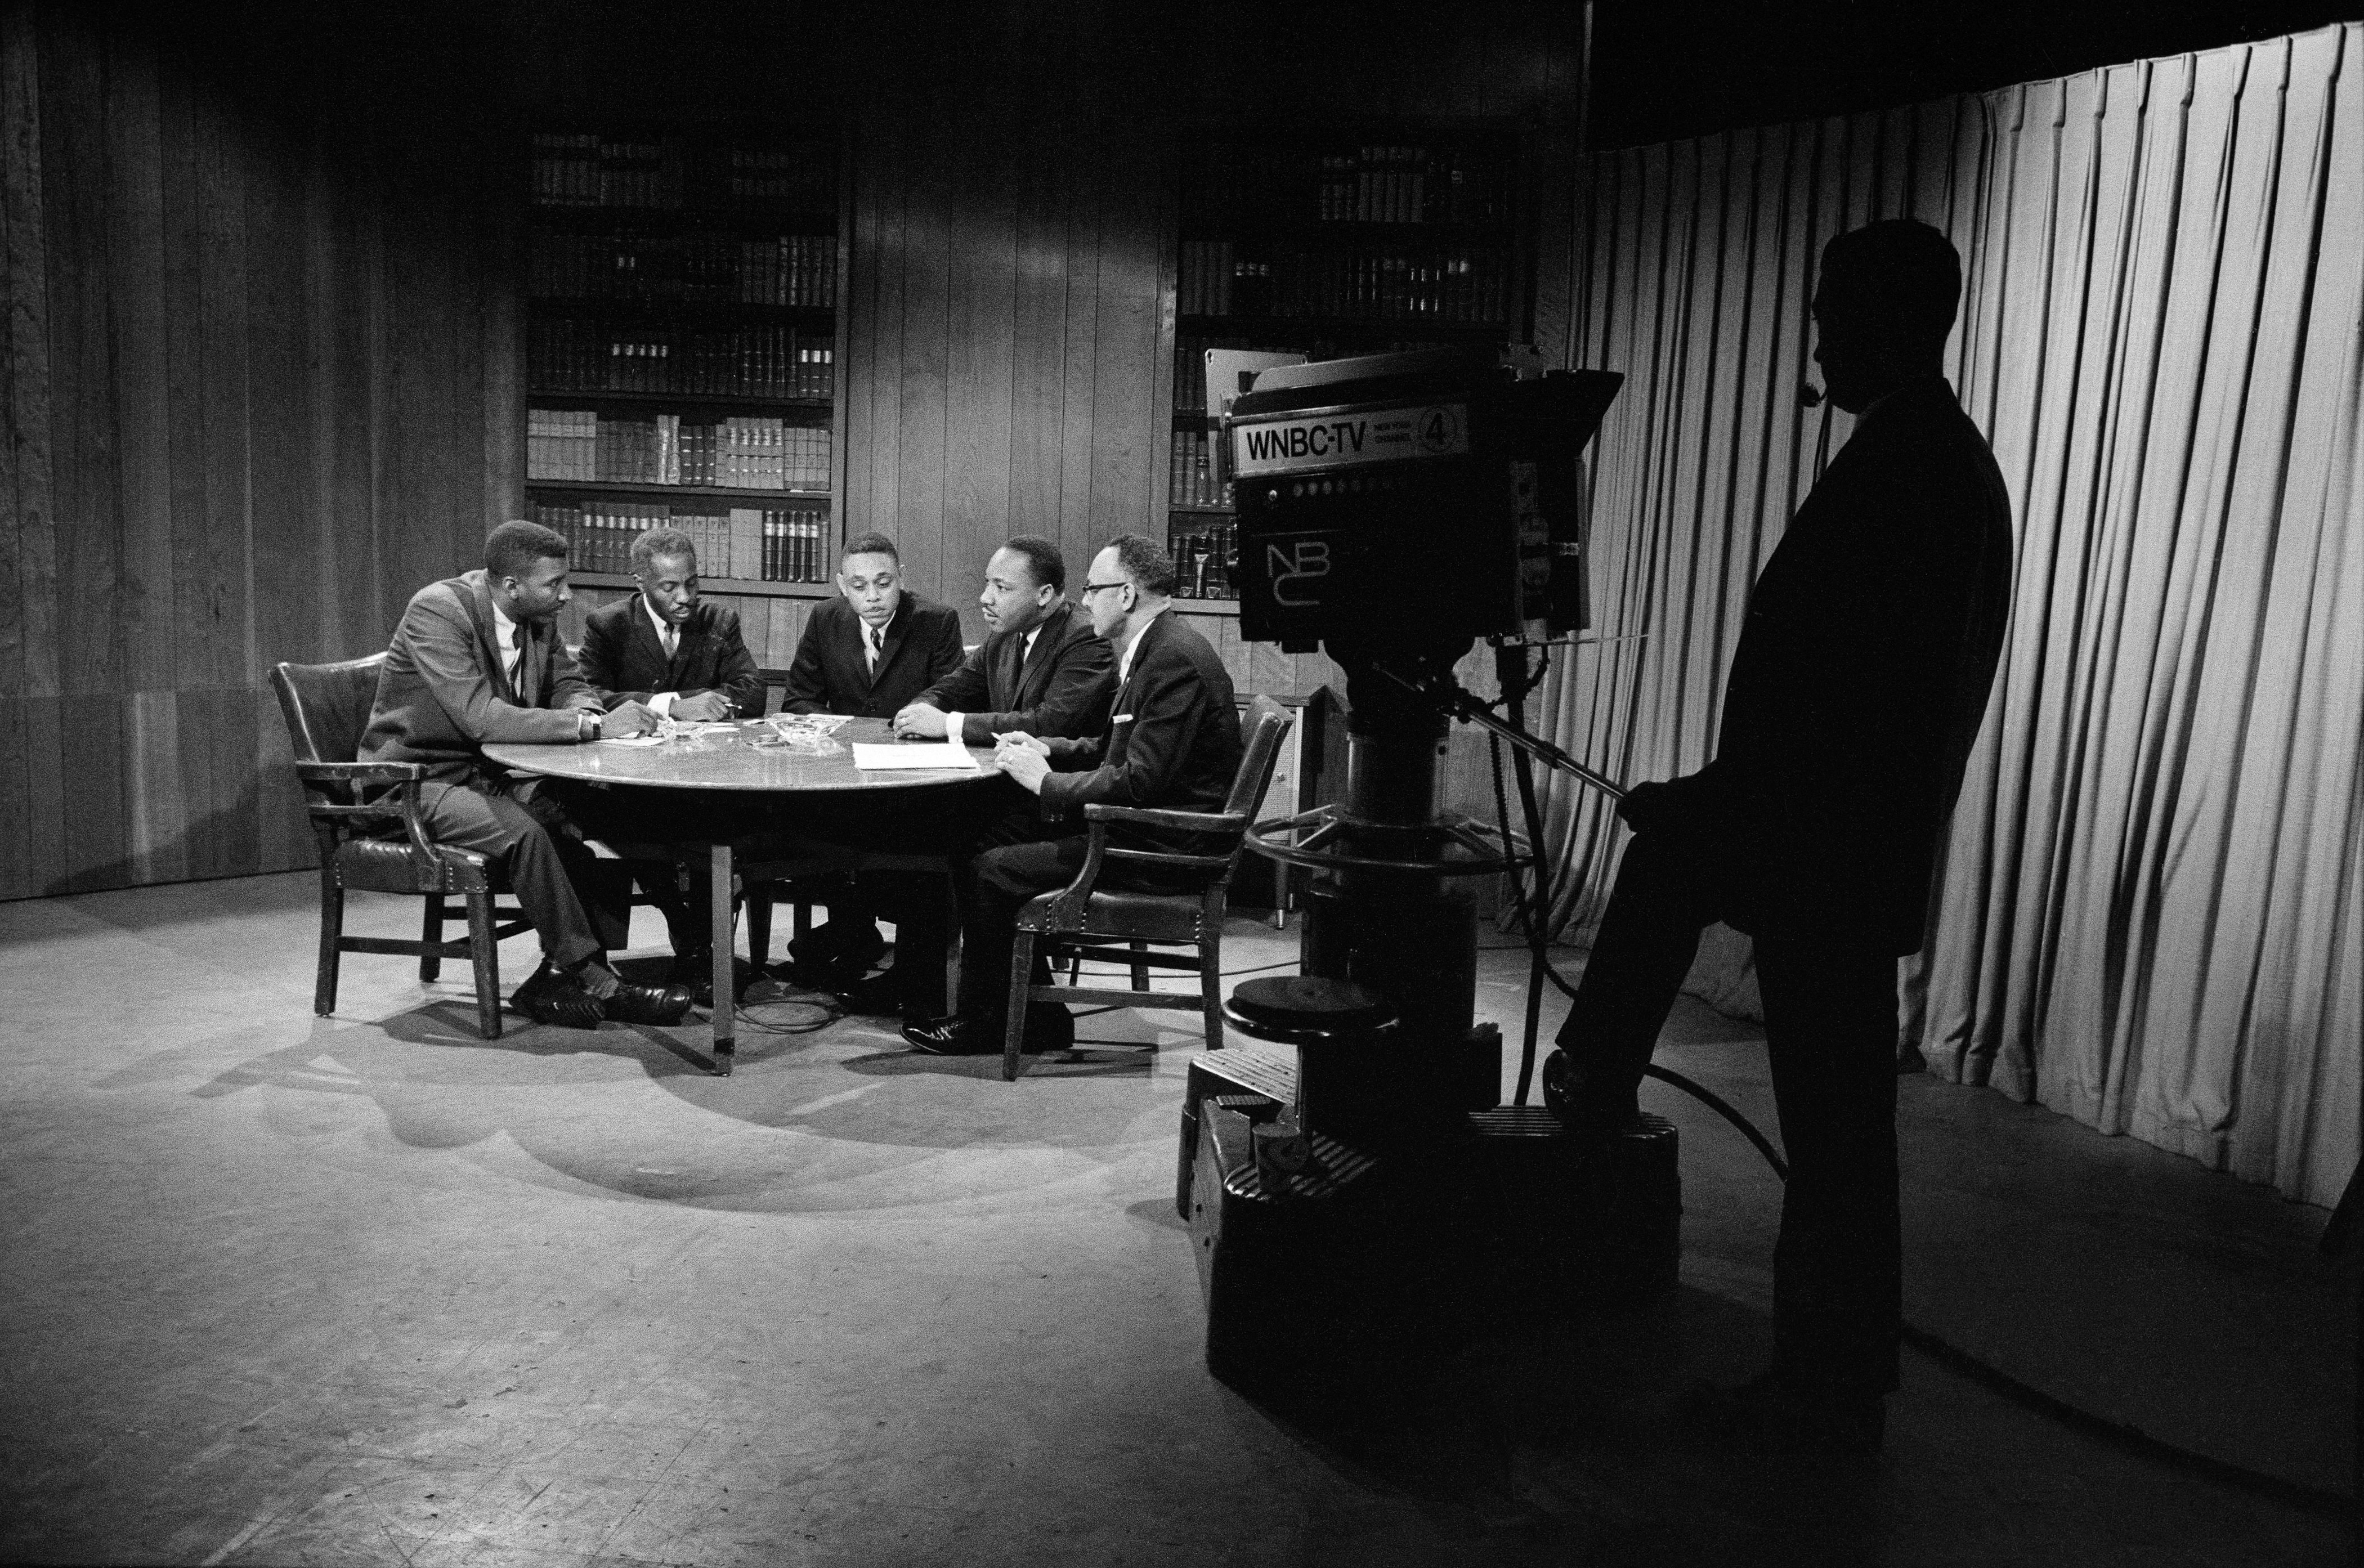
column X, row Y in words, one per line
column 955, row 727
column 661, row 704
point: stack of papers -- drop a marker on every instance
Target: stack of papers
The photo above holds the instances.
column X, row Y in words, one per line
column 913, row 754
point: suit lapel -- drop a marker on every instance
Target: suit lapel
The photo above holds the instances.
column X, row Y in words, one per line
column 644, row 637
column 488, row 640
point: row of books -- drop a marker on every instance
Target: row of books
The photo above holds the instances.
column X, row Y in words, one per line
column 599, row 534
column 1446, row 284
column 576, row 355
column 667, row 174
column 685, row 269
column 1202, row 560
column 745, row 452
column 770, row 544
column 1193, row 481
column 1371, row 183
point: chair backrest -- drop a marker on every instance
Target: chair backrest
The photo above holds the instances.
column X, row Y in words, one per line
column 1262, row 729
column 326, row 706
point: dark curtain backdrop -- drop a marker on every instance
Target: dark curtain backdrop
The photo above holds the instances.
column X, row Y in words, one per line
column 2149, row 914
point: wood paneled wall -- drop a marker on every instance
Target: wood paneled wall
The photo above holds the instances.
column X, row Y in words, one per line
column 261, row 362
column 247, row 371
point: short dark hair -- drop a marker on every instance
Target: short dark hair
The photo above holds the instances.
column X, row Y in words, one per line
column 1145, row 560
column 666, row 541
column 512, row 550
column 1043, row 562
column 871, row 544
column 1898, row 275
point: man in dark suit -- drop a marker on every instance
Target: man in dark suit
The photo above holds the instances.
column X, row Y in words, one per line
column 1172, row 740
column 681, row 658
column 867, row 653
column 876, row 646
column 477, row 659
column 1859, row 682
column 1042, row 668
column 676, row 655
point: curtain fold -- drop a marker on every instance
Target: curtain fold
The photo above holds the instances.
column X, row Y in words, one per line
column 2148, row 915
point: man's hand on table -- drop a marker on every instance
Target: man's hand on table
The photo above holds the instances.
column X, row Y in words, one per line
column 924, row 720
column 1023, row 758
column 704, row 708
column 626, row 719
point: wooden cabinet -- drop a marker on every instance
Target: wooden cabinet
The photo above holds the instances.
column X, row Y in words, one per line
column 685, row 346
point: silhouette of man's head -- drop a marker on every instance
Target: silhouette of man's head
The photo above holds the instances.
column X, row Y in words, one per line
column 1883, row 307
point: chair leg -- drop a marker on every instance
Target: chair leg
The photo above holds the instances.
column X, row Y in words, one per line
column 430, row 929
column 332, row 927
column 1140, row 969
column 1210, row 985
column 800, row 922
column 759, row 925
column 486, row 953
column 1013, row 1033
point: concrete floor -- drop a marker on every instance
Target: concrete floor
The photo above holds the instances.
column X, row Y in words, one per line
column 368, row 1289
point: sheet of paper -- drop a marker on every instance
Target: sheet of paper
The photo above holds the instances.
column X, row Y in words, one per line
column 633, row 741
column 908, row 754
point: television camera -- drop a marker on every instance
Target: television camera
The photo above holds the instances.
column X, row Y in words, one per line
column 1367, row 1195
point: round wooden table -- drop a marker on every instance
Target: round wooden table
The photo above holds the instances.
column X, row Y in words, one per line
column 733, row 760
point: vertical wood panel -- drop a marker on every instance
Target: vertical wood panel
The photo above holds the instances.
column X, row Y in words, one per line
column 28, row 541
column 136, row 346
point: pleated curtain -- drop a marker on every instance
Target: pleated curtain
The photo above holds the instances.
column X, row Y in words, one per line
column 2148, row 916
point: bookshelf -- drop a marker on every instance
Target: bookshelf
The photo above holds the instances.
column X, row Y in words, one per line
column 684, row 346
column 1354, row 240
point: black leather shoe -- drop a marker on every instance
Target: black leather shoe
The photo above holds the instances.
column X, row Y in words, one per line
column 630, row 1003
column 958, row 1036
column 877, row 996
column 550, row 998
column 838, row 946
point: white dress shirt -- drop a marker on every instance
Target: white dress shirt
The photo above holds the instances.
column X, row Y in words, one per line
column 668, row 638
column 955, row 723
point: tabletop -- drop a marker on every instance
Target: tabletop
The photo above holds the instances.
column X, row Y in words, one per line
column 733, row 760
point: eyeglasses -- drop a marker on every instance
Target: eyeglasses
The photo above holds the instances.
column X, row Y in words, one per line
column 1091, row 588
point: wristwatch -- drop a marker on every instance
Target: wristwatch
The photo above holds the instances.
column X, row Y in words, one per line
column 586, row 727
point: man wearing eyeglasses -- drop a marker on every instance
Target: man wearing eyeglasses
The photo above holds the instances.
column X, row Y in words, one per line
column 1172, row 740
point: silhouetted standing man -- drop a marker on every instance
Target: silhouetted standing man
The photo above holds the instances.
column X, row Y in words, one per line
column 1858, row 684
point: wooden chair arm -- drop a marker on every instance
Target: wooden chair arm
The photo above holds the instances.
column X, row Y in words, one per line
column 361, row 772
column 1158, row 817
column 334, row 818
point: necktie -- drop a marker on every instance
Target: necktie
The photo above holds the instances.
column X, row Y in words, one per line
column 871, row 650
column 672, row 638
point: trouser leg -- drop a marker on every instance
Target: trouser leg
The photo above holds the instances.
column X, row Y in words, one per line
column 1649, row 935
column 993, row 888
column 1830, row 1032
column 550, row 871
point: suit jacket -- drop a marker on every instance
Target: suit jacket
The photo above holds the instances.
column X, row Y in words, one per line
column 1062, row 688
column 1172, row 740
column 830, row 676
column 442, row 695
column 623, row 661
column 1860, row 680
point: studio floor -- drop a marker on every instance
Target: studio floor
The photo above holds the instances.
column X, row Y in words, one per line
column 367, row 1289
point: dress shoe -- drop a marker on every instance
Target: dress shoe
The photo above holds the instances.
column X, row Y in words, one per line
column 695, row 974
column 550, row 998
column 875, row 996
column 839, row 945
column 630, row 1003
column 1773, row 1415
column 962, row 1036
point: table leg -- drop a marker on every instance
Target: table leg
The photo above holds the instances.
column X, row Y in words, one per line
column 726, row 1004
